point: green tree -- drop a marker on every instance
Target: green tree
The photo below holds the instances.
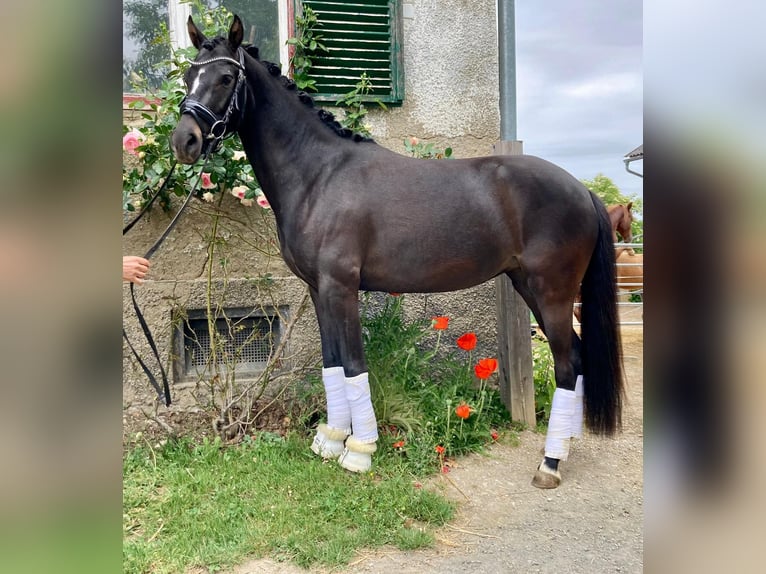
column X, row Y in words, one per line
column 607, row 190
column 145, row 23
column 610, row 194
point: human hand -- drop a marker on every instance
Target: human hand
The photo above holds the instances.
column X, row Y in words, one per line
column 134, row 269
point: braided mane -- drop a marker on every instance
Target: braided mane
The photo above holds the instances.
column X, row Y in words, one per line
column 326, row 117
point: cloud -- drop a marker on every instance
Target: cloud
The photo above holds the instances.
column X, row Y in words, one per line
column 607, row 86
column 580, row 85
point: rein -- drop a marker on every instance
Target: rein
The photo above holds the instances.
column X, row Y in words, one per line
column 164, row 392
column 219, row 129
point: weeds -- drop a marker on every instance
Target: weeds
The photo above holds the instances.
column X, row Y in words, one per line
column 210, row 505
column 426, row 398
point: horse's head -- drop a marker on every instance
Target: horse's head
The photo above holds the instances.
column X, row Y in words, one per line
column 215, row 93
column 622, row 218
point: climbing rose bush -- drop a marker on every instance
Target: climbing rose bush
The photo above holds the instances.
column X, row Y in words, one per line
column 146, row 142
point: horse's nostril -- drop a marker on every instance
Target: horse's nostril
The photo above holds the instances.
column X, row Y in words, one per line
column 191, row 141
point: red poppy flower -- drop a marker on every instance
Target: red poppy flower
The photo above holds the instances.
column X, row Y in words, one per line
column 398, row 444
column 439, row 448
column 463, row 411
column 395, row 294
column 494, row 435
column 440, row 323
column 467, row 342
column 485, row 368
column 445, row 469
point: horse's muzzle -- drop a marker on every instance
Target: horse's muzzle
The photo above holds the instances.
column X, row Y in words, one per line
column 187, row 140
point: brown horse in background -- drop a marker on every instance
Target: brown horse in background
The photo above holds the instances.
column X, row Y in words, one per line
column 621, row 218
column 630, row 266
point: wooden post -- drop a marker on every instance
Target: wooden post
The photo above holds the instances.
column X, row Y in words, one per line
column 514, row 341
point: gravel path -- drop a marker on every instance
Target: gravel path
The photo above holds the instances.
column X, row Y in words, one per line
column 592, row 523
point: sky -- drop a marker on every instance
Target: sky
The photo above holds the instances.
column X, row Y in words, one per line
column 579, row 85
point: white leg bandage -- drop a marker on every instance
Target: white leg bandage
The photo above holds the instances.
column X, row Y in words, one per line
column 338, row 409
column 363, row 424
column 560, row 424
column 577, row 416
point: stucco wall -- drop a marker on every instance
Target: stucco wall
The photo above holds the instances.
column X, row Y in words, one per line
column 451, row 99
column 451, row 79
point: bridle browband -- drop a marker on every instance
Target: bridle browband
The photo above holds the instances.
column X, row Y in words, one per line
column 219, row 125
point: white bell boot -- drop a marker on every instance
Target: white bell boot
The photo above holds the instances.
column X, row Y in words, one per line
column 328, row 441
column 357, row 456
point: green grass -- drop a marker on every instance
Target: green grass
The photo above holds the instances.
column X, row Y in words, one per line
column 207, row 505
column 188, row 504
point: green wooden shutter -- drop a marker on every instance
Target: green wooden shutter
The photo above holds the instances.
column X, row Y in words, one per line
column 360, row 36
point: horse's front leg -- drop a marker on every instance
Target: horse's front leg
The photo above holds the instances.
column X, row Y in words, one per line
column 337, row 309
column 330, row 438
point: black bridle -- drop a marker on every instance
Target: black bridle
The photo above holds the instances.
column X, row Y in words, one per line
column 220, row 128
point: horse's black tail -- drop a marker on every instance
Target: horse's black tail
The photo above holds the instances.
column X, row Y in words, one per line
column 600, row 333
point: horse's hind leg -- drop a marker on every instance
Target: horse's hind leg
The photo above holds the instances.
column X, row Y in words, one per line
column 561, row 424
column 553, row 310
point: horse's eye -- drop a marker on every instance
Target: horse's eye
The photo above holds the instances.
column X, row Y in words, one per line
column 227, row 80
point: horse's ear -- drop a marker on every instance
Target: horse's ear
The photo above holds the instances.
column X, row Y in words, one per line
column 195, row 35
column 236, row 33
column 629, row 206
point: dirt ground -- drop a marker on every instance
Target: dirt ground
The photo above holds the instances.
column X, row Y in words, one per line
column 592, row 523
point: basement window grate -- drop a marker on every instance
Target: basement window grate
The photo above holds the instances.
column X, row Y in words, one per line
column 245, row 342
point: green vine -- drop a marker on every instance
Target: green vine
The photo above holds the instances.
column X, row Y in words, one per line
column 353, row 104
column 305, row 43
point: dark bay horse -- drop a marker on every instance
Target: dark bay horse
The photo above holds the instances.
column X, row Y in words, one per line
column 352, row 215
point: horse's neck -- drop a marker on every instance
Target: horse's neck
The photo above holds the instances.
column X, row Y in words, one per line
column 283, row 142
column 615, row 215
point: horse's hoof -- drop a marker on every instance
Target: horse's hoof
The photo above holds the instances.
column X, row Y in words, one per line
column 328, row 442
column 546, row 477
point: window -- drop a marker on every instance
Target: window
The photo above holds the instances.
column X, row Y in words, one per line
column 148, row 25
column 360, row 36
column 246, row 341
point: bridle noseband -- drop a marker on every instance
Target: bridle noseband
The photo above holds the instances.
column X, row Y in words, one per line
column 219, row 125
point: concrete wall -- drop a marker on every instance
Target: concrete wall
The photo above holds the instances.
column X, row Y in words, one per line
column 451, row 99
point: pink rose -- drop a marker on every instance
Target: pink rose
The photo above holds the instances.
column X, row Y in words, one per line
column 207, row 196
column 131, row 140
column 263, row 202
column 239, row 191
column 207, row 183
column 414, row 141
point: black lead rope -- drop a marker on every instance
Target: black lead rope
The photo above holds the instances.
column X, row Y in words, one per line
column 164, row 392
column 212, row 143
